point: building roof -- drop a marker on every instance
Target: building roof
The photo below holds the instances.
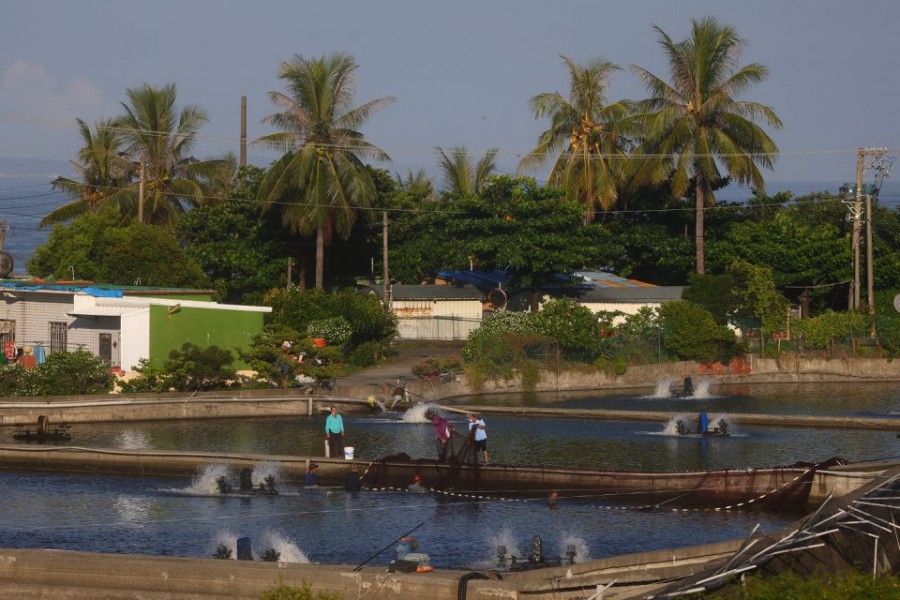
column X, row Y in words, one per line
column 656, row 294
column 99, row 290
column 431, row 292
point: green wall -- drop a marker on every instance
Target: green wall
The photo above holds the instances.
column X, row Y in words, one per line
column 203, row 327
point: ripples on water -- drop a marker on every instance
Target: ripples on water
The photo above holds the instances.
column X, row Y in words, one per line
column 189, row 518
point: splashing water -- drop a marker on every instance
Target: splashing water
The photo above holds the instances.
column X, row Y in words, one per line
column 227, row 539
column 417, row 413
column 663, row 388
column 506, row 538
column 263, row 470
column 204, row 482
column 702, row 388
column 289, row 551
column 579, row 545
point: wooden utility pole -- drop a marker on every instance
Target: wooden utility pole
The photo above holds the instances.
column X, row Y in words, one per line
column 289, row 269
column 243, row 131
column 384, row 252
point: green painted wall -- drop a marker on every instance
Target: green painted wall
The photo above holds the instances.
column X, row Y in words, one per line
column 203, row 327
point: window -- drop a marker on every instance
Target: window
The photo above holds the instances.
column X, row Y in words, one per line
column 59, row 337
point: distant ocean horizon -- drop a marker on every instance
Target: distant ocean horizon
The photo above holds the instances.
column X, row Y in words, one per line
column 26, row 198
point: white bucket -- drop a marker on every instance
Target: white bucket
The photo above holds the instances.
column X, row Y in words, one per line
column 348, row 452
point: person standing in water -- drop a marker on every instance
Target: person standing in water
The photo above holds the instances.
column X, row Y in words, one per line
column 334, row 433
column 478, row 433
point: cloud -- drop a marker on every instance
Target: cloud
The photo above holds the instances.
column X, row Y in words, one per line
column 30, row 91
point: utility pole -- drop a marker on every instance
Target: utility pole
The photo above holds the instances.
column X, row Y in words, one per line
column 243, row 131
column 875, row 159
column 384, row 251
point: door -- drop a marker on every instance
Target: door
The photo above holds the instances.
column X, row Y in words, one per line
column 105, row 347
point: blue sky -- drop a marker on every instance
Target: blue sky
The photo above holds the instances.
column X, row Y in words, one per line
column 462, row 71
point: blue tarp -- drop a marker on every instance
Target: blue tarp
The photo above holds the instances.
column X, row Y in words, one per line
column 90, row 290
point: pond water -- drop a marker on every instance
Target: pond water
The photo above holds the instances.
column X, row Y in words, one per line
column 184, row 517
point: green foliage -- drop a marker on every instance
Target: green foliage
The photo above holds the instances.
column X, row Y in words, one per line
column 574, row 327
column 432, row 367
column 147, row 381
column 755, row 297
column 73, row 373
column 62, row 374
column 833, row 586
column 691, row 332
column 222, row 552
column 715, row 293
column 336, row 331
column 99, row 249
column 200, row 369
column 241, row 252
column 513, row 225
column 304, row 592
column 368, row 318
column 495, row 325
column 818, row 332
column 279, row 355
column 191, row 369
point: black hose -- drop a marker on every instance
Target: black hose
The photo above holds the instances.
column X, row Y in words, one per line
column 463, row 585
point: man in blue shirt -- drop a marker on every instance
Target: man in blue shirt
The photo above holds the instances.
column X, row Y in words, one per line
column 478, row 430
column 334, row 433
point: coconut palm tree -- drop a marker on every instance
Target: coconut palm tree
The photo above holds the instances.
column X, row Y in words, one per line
column 586, row 137
column 102, row 168
column 462, row 177
column 321, row 181
column 416, row 183
column 160, row 137
column 695, row 124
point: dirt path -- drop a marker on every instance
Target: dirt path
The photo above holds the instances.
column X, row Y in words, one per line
column 399, row 367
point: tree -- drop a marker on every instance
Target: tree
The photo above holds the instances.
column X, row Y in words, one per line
column 585, row 135
column 160, row 137
column 691, row 332
column 695, row 123
column 321, row 182
column 95, row 247
column 102, row 168
column 243, row 254
column 756, row 297
column 461, row 177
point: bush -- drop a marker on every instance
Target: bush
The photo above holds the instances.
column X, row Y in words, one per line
column 191, row 369
column 336, row 330
column 574, row 327
column 839, row 586
column 691, row 332
column 63, row 373
column 304, row 592
column 431, row 367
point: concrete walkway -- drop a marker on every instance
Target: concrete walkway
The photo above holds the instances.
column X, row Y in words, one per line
column 398, row 367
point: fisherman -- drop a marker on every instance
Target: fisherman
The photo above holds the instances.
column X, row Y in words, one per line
column 417, row 486
column 352, row 482
column 311, row 479
column 442, row 432
column 478, row 434
column 334, row 433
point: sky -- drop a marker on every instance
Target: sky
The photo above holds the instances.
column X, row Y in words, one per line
column 462, row 72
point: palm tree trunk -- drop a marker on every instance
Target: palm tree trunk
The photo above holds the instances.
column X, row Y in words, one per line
column 698, row 232
column 320, row 257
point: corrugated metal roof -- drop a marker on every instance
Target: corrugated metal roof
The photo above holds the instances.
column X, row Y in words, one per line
column 434, row 292
column 665, row 293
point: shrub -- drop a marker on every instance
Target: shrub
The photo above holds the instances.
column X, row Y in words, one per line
column 304, row 592
column 574, row 327
column 691, row 332
column 63, row 373
column 336, row 330
column 431, row 367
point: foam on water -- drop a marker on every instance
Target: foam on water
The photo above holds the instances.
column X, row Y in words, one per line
column 227, row 539
column 205, row 483
column 130, row 439
column 289, row 551
column 504, row 537
column 582, row 551
column 417, row 414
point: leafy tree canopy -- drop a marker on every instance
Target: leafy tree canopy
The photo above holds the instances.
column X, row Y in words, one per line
column 98, row 249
